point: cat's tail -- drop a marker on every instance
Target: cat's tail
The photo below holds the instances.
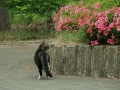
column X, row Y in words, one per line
column 48, row 73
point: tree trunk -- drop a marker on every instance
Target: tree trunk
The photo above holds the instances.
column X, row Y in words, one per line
column 4, row 18
column 1, row 3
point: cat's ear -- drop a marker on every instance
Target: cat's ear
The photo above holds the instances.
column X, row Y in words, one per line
column 43, row 43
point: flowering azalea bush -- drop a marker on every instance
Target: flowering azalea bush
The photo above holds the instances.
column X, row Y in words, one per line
column 105, row 27
column 71, row 17
column 101, row 27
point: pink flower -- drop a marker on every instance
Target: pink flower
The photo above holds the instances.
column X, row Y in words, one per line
column 112, row 36
column 58, row 14
column 108, row 29
column 70, row 27
column 65, row 27
column 107, row 11
column 99, row 30
column 59, row 26
column 111, row 25
column 105, row 33
column 117, row 12
column 98, row 35
column 89, row 30
column 97, row 5
column 115, row 78
column 118, row 28
column 116, row 23
column 93, row 23
column 94, row 42
column 86, row 22
column 80, row 22
column 111, row 41
column 101, row 22
column 66, row 8
column 101, row 26
column 76, row 10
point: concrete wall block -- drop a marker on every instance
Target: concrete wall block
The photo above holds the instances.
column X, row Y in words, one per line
column 81, row 71
column 88, row 52
column 83, row 59
column 96, row 61
column 70, row 62
column 117, row 62
column 110, row 56
column 57, row 59
column 51, row 53
column 104, row 72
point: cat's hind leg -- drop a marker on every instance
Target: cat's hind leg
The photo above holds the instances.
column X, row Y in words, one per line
column 48, row 74
column 40, row 74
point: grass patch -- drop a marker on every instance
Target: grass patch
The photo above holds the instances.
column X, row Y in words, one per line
column 23, row 35
column 76, row 37
column 25, row 18
column 105, row 4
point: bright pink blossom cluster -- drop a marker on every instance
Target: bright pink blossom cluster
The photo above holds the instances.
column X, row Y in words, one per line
column 94, row 42
column 106, row 26
column 71, row 17
column 97, row 5
column 103, row 27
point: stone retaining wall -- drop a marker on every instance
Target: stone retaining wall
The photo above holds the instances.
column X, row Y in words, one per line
column 85, row 60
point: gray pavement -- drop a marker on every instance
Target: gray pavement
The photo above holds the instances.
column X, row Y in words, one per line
column 18, row 72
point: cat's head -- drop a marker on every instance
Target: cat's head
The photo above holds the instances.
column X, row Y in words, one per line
column 44, row 46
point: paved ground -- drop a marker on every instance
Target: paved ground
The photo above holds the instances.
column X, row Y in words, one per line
column 18, row 72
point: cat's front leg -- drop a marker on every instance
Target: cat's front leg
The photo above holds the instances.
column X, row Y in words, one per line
column 49, row 65
column 39, row 77
column 40, row 74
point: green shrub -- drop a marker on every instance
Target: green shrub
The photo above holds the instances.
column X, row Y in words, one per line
column 101, row 26
column 23, row 35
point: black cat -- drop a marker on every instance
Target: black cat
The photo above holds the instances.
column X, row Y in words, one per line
column 42, row 60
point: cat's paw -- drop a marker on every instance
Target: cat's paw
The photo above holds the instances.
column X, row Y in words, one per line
column 39, row 77
column 47, row 77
